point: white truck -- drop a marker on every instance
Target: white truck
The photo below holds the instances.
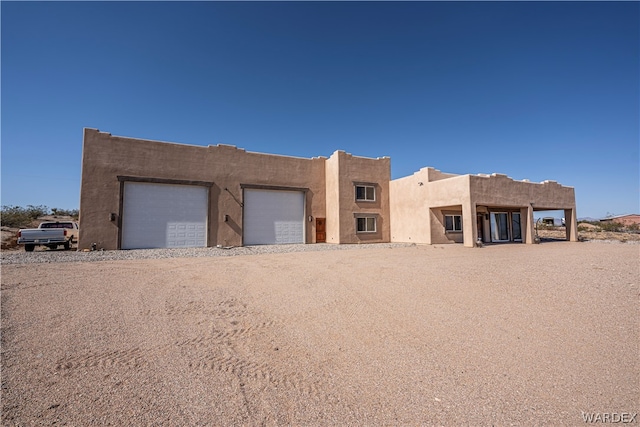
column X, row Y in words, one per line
column 51, row 234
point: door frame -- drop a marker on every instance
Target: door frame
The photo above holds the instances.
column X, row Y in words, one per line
column 509, row 218
column 122, row 179
column 480, row 226
column 275, row 188
column 321, row 227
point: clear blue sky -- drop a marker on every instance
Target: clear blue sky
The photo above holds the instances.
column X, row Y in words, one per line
column 536, row 90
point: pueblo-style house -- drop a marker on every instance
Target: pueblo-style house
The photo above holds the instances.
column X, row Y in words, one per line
column 148, row 194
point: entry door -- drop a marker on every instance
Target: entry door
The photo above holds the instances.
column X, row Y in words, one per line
column 480, row 226
column 500, row 227
column 321, row 235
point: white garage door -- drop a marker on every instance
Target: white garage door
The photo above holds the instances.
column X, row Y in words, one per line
column 273, row 217
column 164, row 216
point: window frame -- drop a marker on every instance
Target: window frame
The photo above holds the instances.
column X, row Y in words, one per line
column 365, row 187
column 366, row 224
column 453, row 223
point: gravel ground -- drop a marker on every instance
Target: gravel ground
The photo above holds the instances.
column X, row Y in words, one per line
column 354, row 335
column 55, row 256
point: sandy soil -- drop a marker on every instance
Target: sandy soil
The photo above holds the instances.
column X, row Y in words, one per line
column 587, row 232
column 424, row 335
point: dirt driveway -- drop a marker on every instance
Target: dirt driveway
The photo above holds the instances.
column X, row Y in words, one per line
column 423, row 335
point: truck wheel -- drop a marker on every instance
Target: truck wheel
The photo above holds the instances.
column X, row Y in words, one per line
column 67, row 244
column 29, row 248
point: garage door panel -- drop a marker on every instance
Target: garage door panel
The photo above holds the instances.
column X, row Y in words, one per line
column 164, row 216
column 273, row 217
column 185, row 234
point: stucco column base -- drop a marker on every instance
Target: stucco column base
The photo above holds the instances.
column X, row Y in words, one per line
column 469, row 227
column 571, row 224
column 529, row 225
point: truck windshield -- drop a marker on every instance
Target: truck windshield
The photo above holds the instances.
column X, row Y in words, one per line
column 56, row 225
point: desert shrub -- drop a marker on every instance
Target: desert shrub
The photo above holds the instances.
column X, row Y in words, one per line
column 589, row 226
column 17, row 216
column 611, row 226
column 596, row 223
column 542, row 226
column 74, row 213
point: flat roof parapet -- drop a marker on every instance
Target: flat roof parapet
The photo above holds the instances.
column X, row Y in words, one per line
column 344, row 153
column 97, row 131
column 227, row 147
column 501, row 175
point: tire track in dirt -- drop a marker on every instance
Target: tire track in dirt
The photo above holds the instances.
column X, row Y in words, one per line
column 138, row 357
column 203, row 352
column 223, row 310
column 261, row 372
column 216, row 351
column 220, row 336
column 131, row 358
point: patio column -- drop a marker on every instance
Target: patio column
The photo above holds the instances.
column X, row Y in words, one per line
column 571, row 224
column 469, row 227
column 529, row 226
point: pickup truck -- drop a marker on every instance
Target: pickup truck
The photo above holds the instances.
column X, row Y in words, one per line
column 50, row 234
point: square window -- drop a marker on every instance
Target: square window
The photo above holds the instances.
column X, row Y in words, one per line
column 366, row 225
column 365, row 193
column 453, row 222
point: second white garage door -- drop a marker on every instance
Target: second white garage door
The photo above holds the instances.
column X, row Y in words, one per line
column 164, row 216
column 273, row 217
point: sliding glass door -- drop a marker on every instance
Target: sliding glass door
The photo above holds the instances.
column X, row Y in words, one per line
column 505, row 227
column 515, row 226
column 500, row 226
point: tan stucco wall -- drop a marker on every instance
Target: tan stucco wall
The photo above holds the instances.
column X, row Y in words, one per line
column 409, row 202
column 352, row 170
column 105, row 157
column 332, row 174
column 500, row 190
column 426, row 196
column 436, row 174
column 419, row 203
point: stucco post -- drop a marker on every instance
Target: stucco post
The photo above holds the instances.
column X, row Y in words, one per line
column 571, row 224
column 529, row 225
column 469, row 227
